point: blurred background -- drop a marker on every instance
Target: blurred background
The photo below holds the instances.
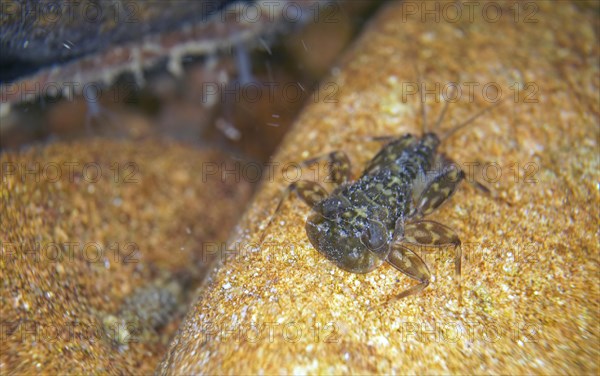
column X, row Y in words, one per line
column 139, row 72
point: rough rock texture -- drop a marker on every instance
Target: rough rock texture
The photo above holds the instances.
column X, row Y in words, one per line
column 530, row 252
column 102, row 242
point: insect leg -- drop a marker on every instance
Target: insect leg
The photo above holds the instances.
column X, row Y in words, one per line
column 309, row 191
column 409, row 263
column 437, row 189
column 339, row 165
column 483, row 189
column 433, row 234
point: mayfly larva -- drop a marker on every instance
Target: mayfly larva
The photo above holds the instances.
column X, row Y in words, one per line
column 378, row 217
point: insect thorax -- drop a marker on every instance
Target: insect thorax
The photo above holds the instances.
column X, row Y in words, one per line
column 384, row 191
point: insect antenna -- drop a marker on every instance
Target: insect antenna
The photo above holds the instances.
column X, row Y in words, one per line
column 423, row 112
column 443, row 113
column 423, row 109
column 264, row 233
column 469, row 120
